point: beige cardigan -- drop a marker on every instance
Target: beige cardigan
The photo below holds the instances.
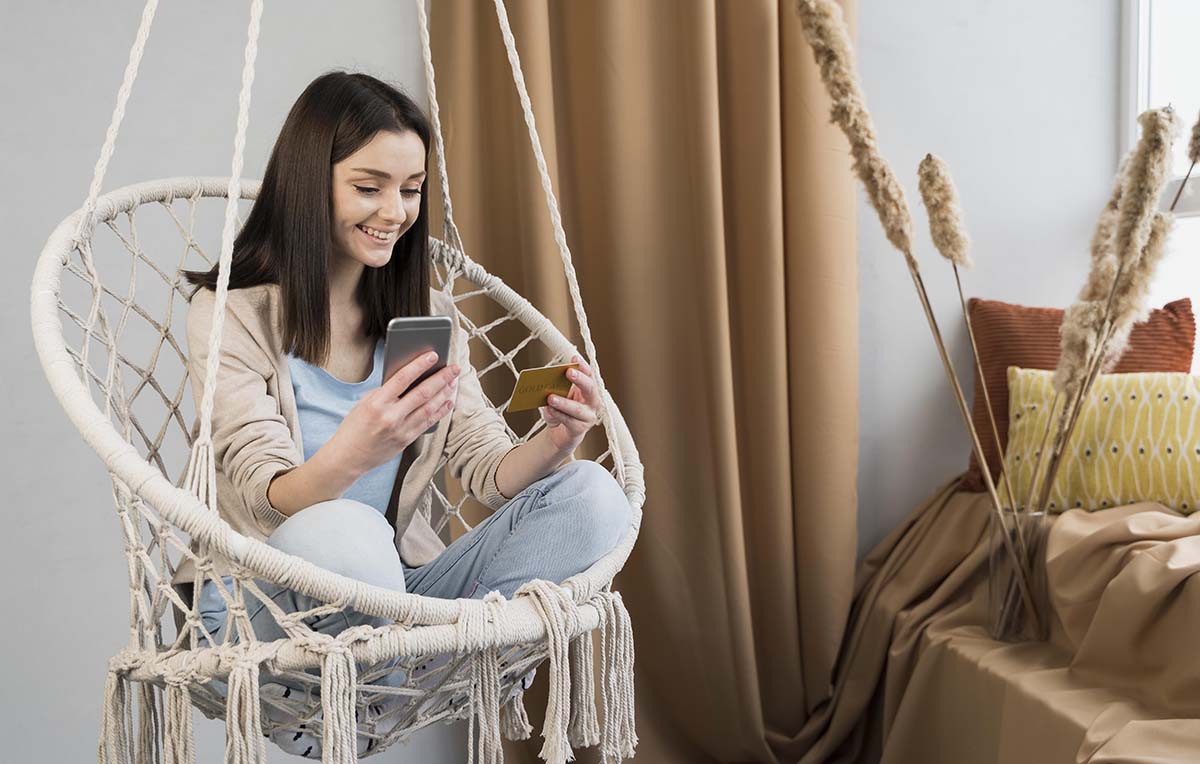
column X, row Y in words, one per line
column 256, row 433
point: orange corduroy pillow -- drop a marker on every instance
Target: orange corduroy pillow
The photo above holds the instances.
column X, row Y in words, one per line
column 1016, row 335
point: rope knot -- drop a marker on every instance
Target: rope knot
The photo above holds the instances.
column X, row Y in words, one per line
column 582, row 588
column 182, row 677
column 124, row 662
column 237, row 607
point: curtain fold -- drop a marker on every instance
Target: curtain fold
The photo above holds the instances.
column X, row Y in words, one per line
column 710, row 211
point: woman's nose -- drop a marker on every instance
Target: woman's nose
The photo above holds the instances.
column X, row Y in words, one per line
column 393, row 209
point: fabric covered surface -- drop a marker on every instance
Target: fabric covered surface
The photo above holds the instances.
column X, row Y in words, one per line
column 919, row 680
column 1018, row 335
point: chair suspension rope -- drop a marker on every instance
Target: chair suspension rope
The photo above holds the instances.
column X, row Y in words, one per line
column 560, row 236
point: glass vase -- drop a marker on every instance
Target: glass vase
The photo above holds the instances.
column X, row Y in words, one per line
column 1010, row 615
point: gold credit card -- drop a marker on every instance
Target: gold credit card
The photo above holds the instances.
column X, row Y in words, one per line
column 533, row 385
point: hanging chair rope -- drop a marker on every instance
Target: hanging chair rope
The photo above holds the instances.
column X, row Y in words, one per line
column 560, row 236
column 118, row 115
column 202, row 475
column 81, row 238
column 439, row 145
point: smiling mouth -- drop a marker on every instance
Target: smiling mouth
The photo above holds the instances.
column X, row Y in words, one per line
column 377, row 236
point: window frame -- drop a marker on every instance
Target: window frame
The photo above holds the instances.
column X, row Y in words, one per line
column 1136, row 44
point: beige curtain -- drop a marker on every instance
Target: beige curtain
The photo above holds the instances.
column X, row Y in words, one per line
column 709, row 207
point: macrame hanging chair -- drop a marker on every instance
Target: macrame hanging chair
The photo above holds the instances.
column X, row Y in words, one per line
column 461, row 658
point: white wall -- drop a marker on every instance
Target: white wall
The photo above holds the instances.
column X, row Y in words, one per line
column 60, row 553
column 1022, row 101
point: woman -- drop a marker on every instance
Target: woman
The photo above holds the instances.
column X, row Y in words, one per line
column 309, row 438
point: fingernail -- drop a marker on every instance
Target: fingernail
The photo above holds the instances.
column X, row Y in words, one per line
column 430, row 357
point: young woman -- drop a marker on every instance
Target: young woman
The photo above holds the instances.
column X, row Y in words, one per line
column 309, row 437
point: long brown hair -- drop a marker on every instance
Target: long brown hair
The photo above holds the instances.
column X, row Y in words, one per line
column 287, row 238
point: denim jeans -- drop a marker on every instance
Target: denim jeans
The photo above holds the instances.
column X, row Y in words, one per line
column 557, row 527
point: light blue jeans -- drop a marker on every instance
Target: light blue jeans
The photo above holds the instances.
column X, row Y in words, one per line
column 555, row 528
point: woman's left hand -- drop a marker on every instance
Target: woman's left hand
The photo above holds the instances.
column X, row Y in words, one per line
column 570, row 418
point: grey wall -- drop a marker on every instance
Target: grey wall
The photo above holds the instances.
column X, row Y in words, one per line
column 1022, row 102
column 60, row 555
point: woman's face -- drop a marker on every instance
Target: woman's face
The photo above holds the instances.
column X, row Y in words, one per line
column 376, row 196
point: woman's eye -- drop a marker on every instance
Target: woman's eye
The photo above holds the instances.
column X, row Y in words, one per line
column 412, row 192
column 365, row 189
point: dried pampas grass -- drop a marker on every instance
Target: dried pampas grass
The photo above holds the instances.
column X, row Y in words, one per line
column 1194, row 155
column 825, row 30
column 1117, row 247
column 1096, row 330
column 1104, row 260
column 1194, row 145
column 1144, row 181
column 948, row 230
column 945, row 215
column 1079, row 334
column 1129, row 303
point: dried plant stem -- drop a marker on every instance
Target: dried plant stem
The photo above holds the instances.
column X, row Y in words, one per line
column 1011, row 606
column 1063, row 435
column 1182, row 185
column 1018, row 561
column 1079, row 399
column 1037, row 463
column 987, row 400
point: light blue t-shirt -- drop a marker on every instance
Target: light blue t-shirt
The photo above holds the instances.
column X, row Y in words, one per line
column 322, row 401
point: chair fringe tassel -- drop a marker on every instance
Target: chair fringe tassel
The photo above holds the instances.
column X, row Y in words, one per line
column 114, row 728
column 120, row 741
column 476, row 635
column 583, row 730
column 149, row 745
column 179, row 738
column 339, row 686
column 554, row 606
column 174, row 740
column 619, row 739
column 485, row 708
column 243, row 723
column 513, row 719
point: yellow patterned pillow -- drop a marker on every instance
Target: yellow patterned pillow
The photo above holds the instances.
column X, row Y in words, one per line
column 1138, row 439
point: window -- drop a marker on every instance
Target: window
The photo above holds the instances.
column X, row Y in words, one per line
column 1161, row 66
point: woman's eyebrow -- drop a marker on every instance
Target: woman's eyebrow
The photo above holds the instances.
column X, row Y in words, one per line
column 382, row 174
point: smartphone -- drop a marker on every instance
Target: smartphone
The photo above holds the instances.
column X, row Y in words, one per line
column 411, row 336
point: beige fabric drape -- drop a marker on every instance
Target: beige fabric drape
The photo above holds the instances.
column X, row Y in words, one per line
column 920, row 680
column 710, row 210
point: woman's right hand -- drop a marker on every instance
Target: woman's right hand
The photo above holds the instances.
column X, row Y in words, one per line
column 387, row 420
